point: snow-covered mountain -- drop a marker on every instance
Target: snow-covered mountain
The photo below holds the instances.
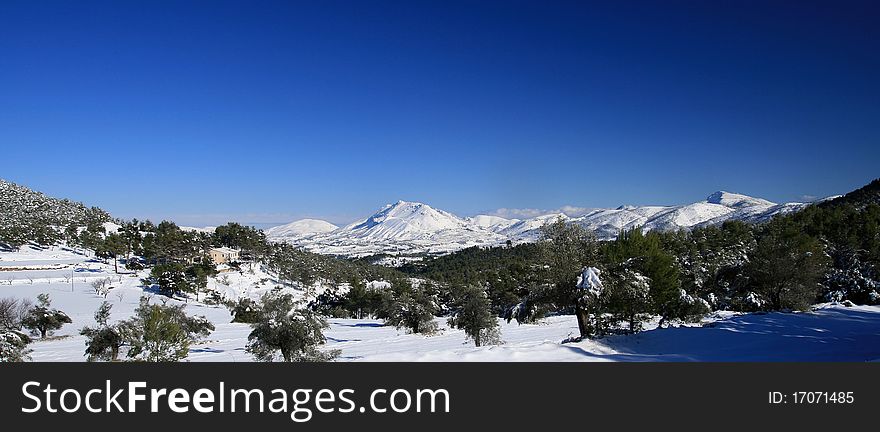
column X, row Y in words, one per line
column 400, row 228
column 492, row 223
column 411, row 227
column 717, row 208
column 300, row 228
column 405, row 221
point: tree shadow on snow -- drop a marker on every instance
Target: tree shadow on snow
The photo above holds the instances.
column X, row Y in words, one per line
column 826, row 335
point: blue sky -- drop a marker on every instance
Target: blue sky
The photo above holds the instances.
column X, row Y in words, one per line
column 270, row 111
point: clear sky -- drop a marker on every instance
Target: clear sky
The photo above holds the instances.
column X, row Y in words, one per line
column 269, row 111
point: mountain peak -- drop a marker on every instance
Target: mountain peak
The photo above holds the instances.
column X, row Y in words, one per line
column 407, row 218
column 735, row 200
column 301, row 228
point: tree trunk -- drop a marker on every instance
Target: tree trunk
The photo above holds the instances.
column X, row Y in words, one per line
column 115, row 265
column 583, row 319
column 477, row 339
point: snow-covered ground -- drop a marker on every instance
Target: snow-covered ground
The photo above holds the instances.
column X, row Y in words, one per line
column 829, row 333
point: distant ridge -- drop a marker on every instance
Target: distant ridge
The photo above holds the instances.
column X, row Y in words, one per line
column 408, row 227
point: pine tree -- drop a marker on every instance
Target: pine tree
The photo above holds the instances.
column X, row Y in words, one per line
column 43, row 319
column 13, row 346
column 644, row 254
column 112, row 246
column 410, row 308
column 284, row 327
column 473, row 314
column 628, row 296
column 565, row 250
column 162, row 332
column 104, row 341
column 358, row 300
column 787, row 266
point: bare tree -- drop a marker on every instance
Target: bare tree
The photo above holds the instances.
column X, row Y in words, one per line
column 12, row 312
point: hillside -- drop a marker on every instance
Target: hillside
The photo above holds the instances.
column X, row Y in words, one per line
column 300, row 228
column 28, row 215
column 859, row 198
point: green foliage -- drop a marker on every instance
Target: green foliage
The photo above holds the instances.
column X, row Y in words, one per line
column 626, row 298
column 175, row 278
column 29, row 216
column 645, row 254
column 787, row 266
column 244, row 310
column 250, row 240
column 473, row 314
column 361, row 302
column 13, row 346
column 565, row 249
column 43, row 319
column 707, row 257
column 162, row 332
column 93, row 236
column 113, row 246
column 294, row 265
column 507, row 272
column 284, row 327
column 130, row 234
column 412, row 308
column 102, row 342
column 331, row 302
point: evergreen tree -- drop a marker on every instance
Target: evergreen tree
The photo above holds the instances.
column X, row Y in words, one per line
column 644, row 254
column 162, row 332
column 244, row 310
column 358, row 300
column 565, row 250
column 104, row 341
column 250, row 240
column 131, row 237
column 628, row 295
column 787, row 266
column 171, row 278
column 284, row 327
column 43, row 319
column 473, row 314
column 13, row 346
column 92, row 236
column 408, row 307
column 112, row 246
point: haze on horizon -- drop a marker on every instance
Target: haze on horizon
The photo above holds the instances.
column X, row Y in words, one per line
column 266, row 114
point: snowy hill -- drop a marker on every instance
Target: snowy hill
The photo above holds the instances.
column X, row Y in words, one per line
column 529, row 229
column 405, row 221
column 733, row 200
column 300, row 228
column 410, row 227
column 492, row 223
column 28, row 215
column 400, row 228
column 717, row 208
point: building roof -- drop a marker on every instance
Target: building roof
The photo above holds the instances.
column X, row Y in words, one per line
column 225, row 250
